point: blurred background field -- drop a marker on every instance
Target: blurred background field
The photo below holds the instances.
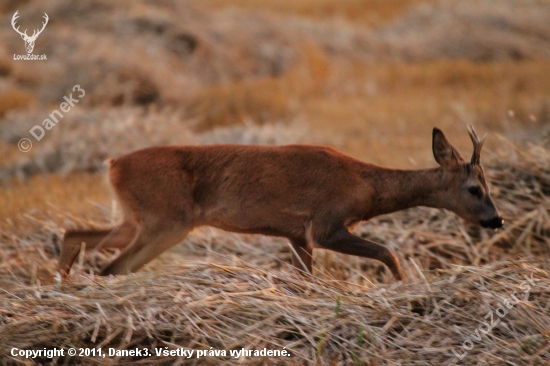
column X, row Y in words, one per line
column 369, row 77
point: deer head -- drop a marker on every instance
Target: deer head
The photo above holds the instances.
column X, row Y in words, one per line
column 29, row 40
column 467, row 194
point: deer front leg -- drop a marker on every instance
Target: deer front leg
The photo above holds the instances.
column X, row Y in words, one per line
column 343, row 241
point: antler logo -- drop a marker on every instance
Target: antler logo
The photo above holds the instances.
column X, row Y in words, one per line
column 29, row 40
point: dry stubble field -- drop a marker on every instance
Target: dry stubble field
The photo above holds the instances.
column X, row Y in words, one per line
column 370, row 78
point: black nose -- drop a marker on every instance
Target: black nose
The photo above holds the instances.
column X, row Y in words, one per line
column 494, row 223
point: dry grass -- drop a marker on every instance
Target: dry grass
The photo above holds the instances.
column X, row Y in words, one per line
column 261, row 100
column 74, row 193
column 372, row 13
column 377, row 109
column 318, row 322
column 229, row 291
column 14, row 100
column 166, row 52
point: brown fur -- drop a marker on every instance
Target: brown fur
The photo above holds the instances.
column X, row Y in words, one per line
column 311, row 195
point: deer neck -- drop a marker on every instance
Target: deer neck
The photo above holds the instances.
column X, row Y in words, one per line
column 396, row 190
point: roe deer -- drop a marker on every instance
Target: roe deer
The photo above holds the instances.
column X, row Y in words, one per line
column 311, row 195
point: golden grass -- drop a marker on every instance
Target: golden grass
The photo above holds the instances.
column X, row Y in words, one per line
column 367, row 12
column 14, row 99
column 374, row 109
column 5, row 67
column 384, row 113
column 318, row 322
column 75, row 193
column 261, row 100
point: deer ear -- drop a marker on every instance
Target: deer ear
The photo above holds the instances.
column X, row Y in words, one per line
column 444, row 153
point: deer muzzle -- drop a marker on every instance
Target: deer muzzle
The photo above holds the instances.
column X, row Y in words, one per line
column 494, row 223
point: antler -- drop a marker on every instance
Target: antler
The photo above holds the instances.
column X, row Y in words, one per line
column 478, row 144
column 35, row 35
column 24, row 34
column 13, row 20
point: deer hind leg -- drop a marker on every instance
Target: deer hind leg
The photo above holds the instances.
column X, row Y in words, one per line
column 152, row 241
column 343, row 241
column 302, row 255
column 118, row 237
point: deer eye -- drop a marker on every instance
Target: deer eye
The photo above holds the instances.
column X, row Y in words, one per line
column 475, row 191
